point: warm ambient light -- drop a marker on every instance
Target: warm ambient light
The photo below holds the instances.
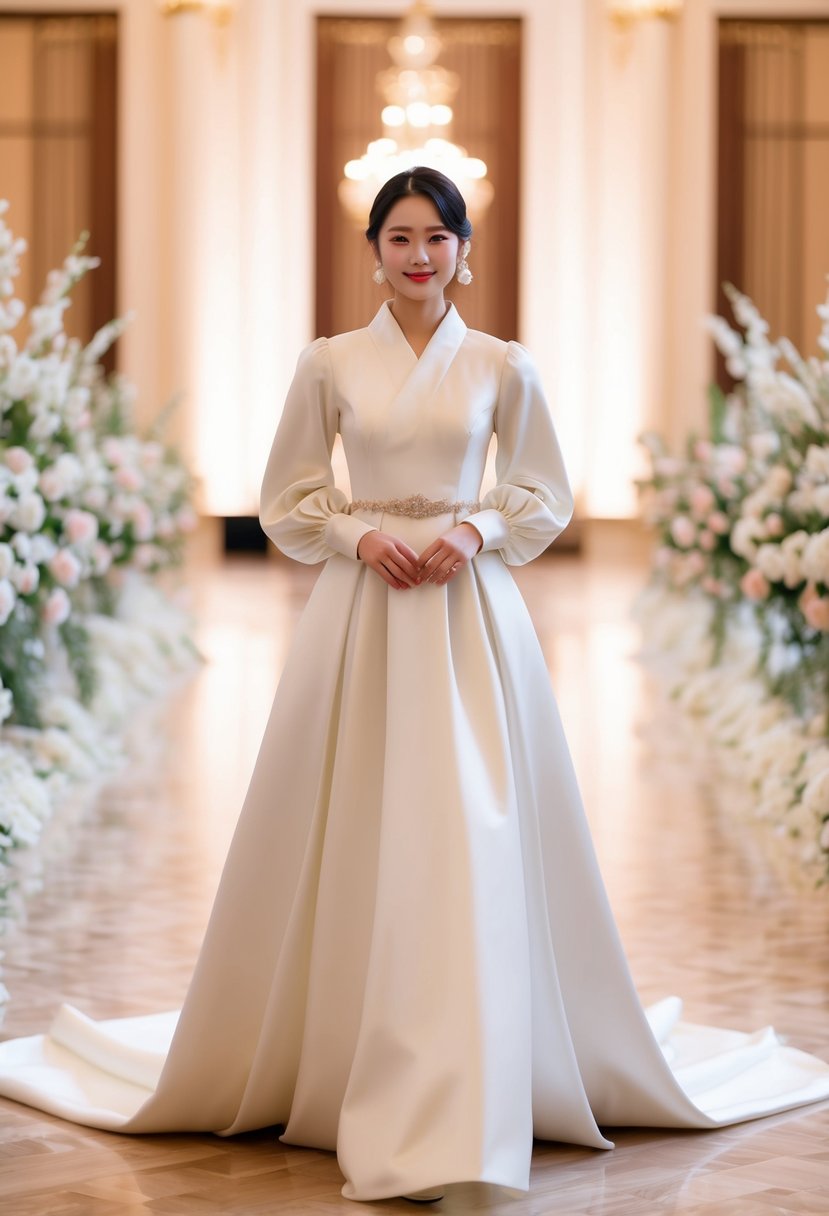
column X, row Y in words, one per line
column 626, row 12
column 220, row 10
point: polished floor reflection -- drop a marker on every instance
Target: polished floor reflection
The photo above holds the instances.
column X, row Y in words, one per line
column 118, row 899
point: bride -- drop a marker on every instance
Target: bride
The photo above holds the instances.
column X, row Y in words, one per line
column 411, row 960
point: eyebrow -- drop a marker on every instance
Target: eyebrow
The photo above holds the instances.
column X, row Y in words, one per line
column 431, row 228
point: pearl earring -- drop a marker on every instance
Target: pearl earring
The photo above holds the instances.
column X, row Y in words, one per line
column 379, row 275
column 463, row 273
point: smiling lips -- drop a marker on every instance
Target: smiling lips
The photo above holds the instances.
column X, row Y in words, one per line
column 420, row 276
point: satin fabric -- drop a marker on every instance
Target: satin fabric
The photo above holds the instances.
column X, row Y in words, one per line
column 411, row 959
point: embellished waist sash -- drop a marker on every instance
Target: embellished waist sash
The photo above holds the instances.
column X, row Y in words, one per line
column 416, row 506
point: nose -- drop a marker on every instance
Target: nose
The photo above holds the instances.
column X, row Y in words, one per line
column 418, row 255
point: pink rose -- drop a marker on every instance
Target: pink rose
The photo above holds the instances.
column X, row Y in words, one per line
column 65, row 567
column 113, row 450
column 774, row 524
column 101, row 557
column 81, row 527
column 128, row 478
column 718, row 522
column 142, row 521
column 702, row 500
column 702, row 450
column 712, row 586
column 754, row 585
column 18, row 460
column 57, row 607
column 815, row 608
column 707, row 540
column 733, row 460
column 683, row 531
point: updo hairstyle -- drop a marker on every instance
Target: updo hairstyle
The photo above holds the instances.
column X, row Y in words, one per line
column 434, row 185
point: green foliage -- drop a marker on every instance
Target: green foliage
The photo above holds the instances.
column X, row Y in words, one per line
column 76, row 640
column 21, row 663
column 717, row 409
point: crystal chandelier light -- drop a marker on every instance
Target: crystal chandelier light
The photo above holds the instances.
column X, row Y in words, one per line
column 416, row 120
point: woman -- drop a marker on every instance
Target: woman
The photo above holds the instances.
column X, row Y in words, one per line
column 411, row 959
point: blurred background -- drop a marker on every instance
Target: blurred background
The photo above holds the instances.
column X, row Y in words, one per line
column 635, row 154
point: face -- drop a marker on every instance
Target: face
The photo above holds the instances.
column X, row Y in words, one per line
column 418, row 253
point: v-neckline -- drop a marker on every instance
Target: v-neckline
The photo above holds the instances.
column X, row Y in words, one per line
column 433, row 334
column 387, row 333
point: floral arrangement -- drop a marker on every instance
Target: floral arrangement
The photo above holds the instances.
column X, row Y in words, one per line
column 743, row 537
column 90, row 514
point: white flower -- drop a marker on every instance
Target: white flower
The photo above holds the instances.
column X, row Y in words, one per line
column 62, row 478
column 728, row 341
column 8, row 599
column 28, row 513
column 40, row 548
column 46, row 423
column 744, row 535
column 763, row 444
column 769, row 561
column 816, row 557
column 26, row 578
column 6, row 559
column 101, row 557
column 21, row 378
column 21, row 542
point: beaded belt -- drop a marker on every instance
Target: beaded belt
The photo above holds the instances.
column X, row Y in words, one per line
column 416, row 506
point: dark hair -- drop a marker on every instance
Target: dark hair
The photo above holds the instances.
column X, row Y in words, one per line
column 434, row 185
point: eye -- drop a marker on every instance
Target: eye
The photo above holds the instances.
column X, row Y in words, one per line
column 439, row 236
column 398, row 240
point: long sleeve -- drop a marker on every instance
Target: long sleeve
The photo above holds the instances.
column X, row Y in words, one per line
column 300, row 508
column 532, row 501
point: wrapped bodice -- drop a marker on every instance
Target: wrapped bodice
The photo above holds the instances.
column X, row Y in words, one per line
column 414, row 427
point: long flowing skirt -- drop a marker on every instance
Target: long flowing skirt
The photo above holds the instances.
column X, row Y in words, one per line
column 411, row 959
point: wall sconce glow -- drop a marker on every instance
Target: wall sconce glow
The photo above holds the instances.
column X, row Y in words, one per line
column 626, row 12
column 221, row 11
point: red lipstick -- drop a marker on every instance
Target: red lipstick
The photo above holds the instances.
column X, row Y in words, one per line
column 420, row 278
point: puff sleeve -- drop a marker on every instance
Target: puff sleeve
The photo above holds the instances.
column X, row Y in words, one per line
column 300, row 509
column 532, row 501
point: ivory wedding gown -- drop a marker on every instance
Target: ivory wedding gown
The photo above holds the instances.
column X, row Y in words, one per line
column 411, row 958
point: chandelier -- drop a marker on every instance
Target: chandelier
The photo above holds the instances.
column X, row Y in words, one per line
column 417, row 119
column 626, row 12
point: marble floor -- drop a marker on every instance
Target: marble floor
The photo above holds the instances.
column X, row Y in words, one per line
column 118, row 897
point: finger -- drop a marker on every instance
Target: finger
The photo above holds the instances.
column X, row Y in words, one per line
column 440, row 571
column 407, row 551
column 403, row 565
column 430, row 552
column 400, row 573
column 387, row 577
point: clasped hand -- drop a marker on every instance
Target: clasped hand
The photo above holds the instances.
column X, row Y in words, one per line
column 399, row 565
